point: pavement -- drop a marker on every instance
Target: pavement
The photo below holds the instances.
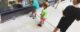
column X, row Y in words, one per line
column 24, row 23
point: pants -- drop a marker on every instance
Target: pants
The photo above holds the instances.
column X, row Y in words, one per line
column 43, row 19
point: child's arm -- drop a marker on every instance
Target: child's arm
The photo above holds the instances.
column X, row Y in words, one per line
column 42, row 14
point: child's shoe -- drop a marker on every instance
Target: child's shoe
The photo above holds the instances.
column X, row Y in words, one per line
column 40, row 25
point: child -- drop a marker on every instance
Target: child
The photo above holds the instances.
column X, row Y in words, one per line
column 35, row 4
column 43, row 14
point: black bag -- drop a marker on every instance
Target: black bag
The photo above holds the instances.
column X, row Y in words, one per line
column 78, row 14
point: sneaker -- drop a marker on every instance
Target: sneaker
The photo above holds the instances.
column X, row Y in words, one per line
column 40, row 25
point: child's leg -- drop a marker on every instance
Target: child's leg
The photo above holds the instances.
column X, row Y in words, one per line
column 34, row 12
column 34, row 15
column 41, row 22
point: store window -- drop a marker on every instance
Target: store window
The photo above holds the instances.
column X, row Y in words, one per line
column 18, row 3
column 41, row 1
column 25, row 3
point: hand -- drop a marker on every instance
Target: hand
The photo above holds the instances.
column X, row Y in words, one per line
column 55, row 30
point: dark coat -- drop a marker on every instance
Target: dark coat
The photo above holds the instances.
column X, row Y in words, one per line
column 69, row 15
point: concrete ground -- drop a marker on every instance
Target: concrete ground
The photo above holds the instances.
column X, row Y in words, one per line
column 24, row 23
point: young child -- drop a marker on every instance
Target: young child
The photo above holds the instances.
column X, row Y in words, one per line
column 43, row 14
column 36, row 6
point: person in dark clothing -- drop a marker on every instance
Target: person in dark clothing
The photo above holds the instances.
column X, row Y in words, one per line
column 69, row 15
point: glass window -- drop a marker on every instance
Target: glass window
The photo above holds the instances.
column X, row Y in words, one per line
column 41, row 1
column 25, row 3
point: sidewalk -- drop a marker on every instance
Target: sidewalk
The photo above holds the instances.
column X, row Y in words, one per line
column 25, row 23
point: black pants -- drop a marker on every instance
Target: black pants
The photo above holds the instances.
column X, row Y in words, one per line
column 65, row 22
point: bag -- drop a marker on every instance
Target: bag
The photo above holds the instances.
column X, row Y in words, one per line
column 78, row 14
